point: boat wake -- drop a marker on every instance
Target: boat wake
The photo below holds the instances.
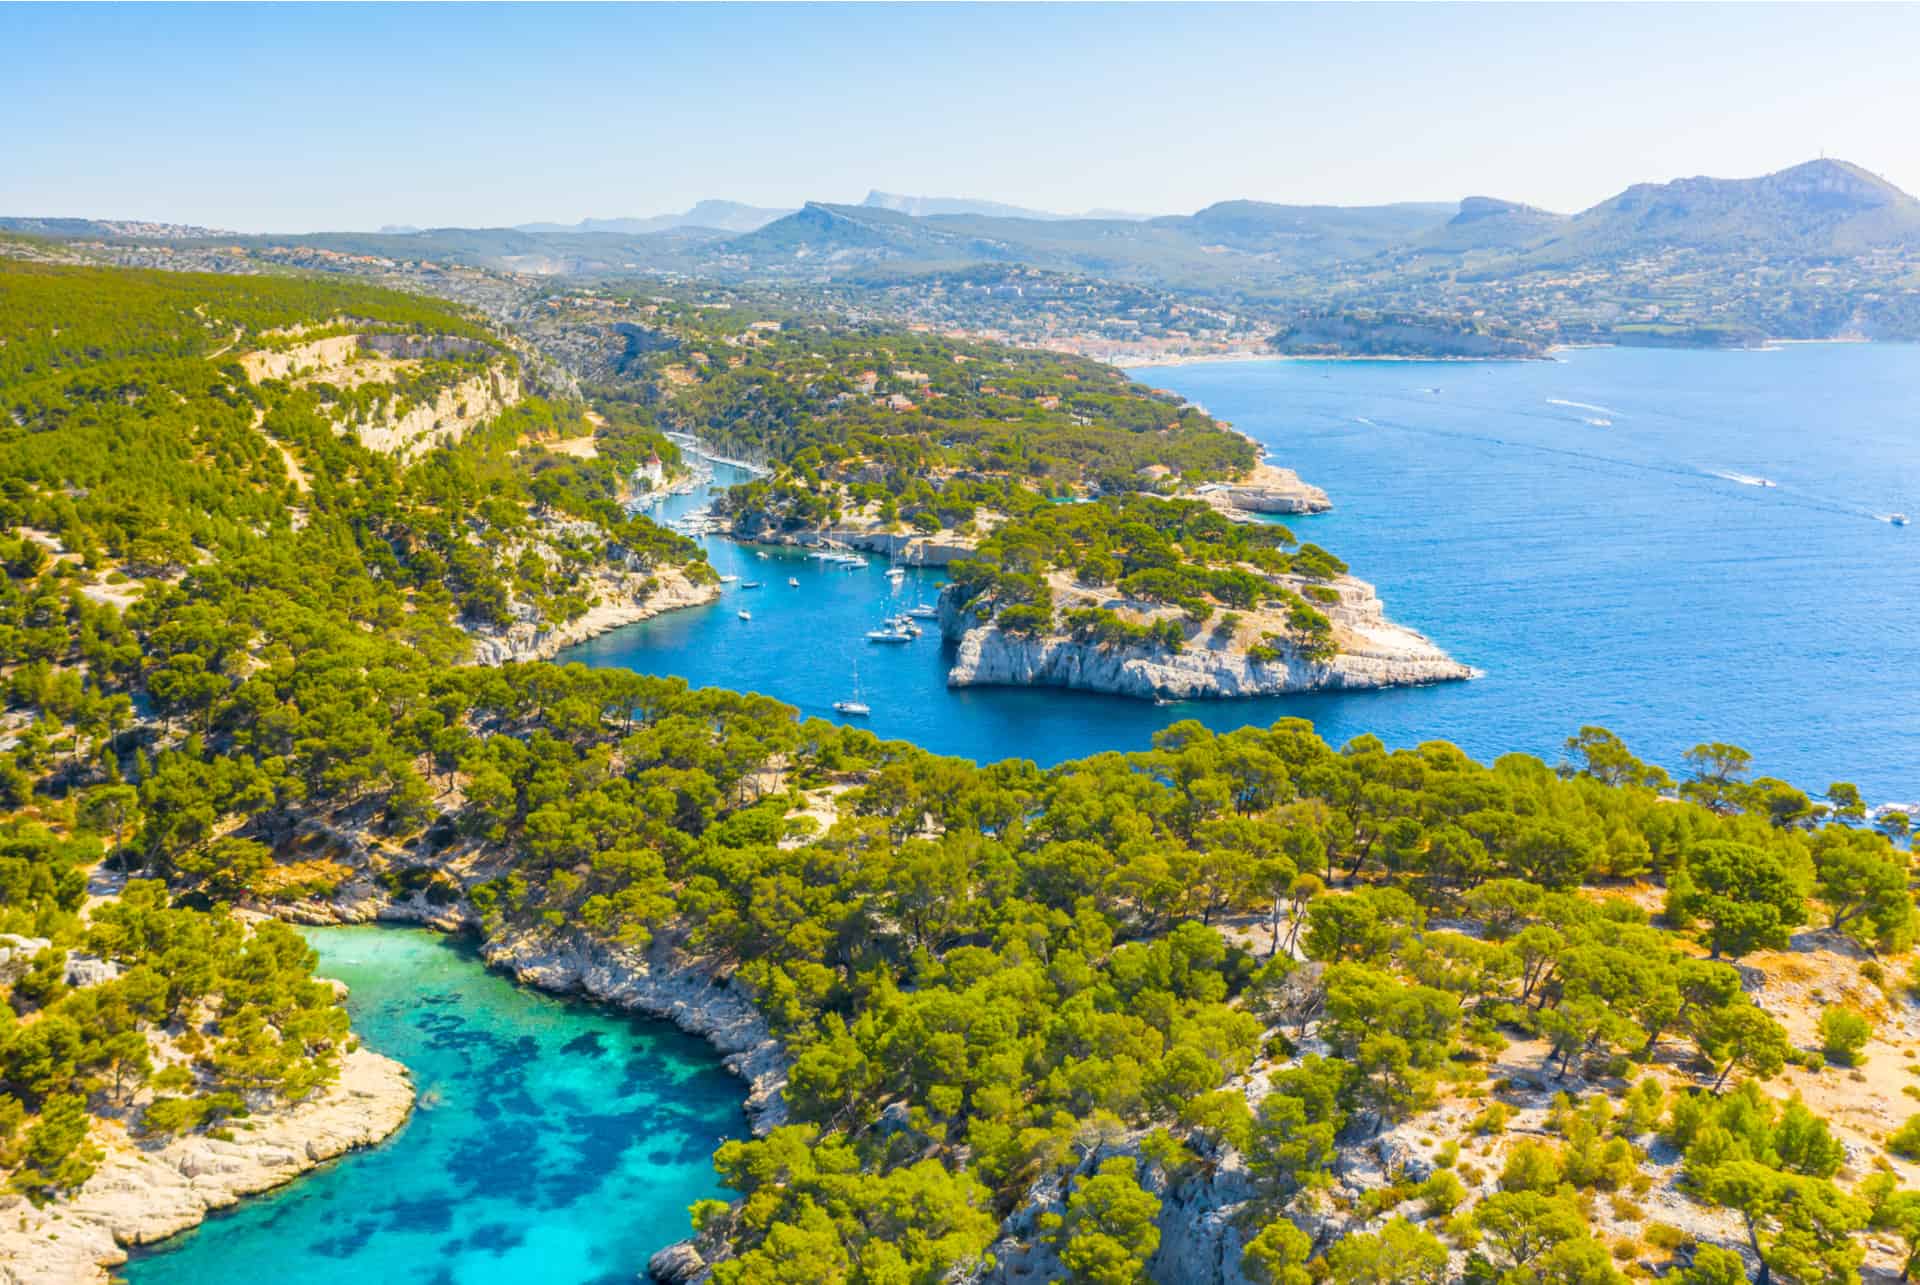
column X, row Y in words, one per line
column 1598, row 410
column 1744, row 479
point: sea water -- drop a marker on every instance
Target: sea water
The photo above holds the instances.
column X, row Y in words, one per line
column 1592, row 533
column 553, row 1142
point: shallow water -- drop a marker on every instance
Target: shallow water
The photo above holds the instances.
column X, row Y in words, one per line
column 1617, row 572
column 553, row 1143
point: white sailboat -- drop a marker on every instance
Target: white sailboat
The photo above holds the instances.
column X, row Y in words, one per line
column 854, row 707
column 793, row 582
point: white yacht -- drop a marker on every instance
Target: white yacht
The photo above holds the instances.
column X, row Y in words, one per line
column 728, row 579
column 853, row 706
column 922, row 611
column 889, row 635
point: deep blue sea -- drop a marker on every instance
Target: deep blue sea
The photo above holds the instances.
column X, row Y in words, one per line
column 553, row 1143
column 1590, row 532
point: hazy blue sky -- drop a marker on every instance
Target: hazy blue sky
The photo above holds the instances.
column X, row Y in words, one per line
column 342, row 116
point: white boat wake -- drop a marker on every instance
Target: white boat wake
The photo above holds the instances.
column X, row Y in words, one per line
column 1744, row 479
column 1598, row 410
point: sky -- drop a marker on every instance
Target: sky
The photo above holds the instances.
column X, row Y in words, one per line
column 293, row 118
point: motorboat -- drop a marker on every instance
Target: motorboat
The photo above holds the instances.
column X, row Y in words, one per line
column 924, row 612
column 749, row 584
column 1898, row 519
column 889, row 635
column 746, row 615
column 728, row 579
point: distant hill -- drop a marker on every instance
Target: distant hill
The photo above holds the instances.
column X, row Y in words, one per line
column 1823, row 207
column 722, row 216
column 1307, row 231
column 109, row 229
column 1487, row 223
column 924, row 206
column 930, row 206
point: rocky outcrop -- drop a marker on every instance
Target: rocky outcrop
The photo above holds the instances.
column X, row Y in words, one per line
column 1373, row 653
column 1268, row 489
column 692, row 993
column 623, row 599
column 663, row 981
column 908, row 548
column 454, row 411
column 143, row 1193
column 351, row 361
column 1200, row 1236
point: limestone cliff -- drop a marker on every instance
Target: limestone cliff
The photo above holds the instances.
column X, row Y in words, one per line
column 1269, row 489
column 145, row 1192
column 396, row 426
column 909, row 548
column 1373, row 652
column 620, row 598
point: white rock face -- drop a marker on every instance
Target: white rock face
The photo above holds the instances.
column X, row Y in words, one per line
column 1200, row 1240
column 141, row 1194
column 662, row 983
column 622, row 602
column 1269, row 489
column 453, row 412
column 1374, row 652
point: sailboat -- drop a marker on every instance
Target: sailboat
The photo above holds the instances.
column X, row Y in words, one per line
column 854, row 706
column 793, row 582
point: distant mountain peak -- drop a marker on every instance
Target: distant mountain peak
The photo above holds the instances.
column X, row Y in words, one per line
column 921, row 207
column 1474, row 208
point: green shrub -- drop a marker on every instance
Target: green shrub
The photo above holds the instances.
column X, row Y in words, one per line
column 1843, row 1034
column 1905, row 1141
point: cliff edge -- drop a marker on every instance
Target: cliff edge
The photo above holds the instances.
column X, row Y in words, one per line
column 1371, row 652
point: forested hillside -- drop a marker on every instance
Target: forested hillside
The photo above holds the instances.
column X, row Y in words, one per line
column 1290, row 1011
column 172, row 532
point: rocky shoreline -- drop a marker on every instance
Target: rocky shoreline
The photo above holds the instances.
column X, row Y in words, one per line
column 908, row 549
column 1374, row 652
column 141, row 1194
column 662, row 982
column 621, row 602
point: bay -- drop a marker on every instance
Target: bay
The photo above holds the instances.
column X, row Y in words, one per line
column 1591, row 533
column 553, row 1142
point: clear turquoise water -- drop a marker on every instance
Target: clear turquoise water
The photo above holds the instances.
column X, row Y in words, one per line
column 554, row 1142
column 1597, row 573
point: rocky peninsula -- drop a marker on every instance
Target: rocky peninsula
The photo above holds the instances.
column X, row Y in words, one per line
column 142, row 1193
column 1371, row 651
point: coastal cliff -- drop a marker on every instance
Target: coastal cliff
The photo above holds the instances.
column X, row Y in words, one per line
column 663, row 981
column 1268, row 488
column 908, row 548
column 141, row 1194
column 1373, row 652
column 622, row 598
